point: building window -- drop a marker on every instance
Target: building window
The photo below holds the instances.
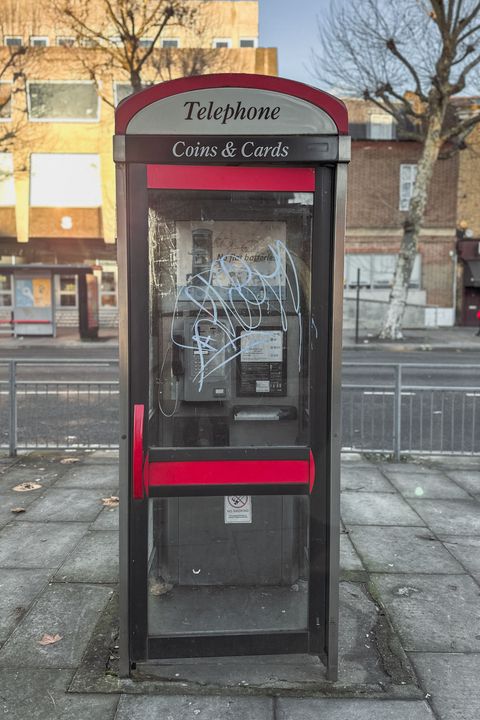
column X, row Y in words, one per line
column 5, row 101
column 64, row 101
column 144, row 43
column 13, row 40
column 408, row 173
column 376, row 270
column 123, row 90
column 38, row 41
column 108, row 288
column 222, row 43
column 7, row 185
column 63, row 41
column 5, row 291
column 380, row 127
column 67, row 291
column 115, row 40
column 248, row 42
column 65, row 180
column 170, row 43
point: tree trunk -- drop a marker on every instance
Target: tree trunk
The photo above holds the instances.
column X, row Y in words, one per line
column 392, row 323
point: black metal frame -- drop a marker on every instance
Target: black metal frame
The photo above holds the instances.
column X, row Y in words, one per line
column 315, row 639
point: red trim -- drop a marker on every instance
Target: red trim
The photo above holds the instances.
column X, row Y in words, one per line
column 230, row 178
column 132, row 105
column 29, row 322
column 137, row 455
column 230, row 472
column 311, row 471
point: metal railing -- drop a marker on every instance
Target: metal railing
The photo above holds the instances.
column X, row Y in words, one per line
column 395, row 409
column 58, row 411
column 407, row 416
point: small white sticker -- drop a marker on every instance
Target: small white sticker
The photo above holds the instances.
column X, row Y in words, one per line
column 238, row 509
column 262, row 386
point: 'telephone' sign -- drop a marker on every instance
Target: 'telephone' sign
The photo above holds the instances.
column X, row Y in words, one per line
column 231, row 111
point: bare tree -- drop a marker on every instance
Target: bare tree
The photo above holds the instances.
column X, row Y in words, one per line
column 126, row 32
column 410, row 58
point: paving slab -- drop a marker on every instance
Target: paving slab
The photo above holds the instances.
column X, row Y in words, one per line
column 363, row 508
column 62, row 505
column 402, row 550
column 453, row 681
column 38, row 545
column 390, row 469
column 450, row 517
column 350, row 564
column 469, row 480
column 466, row 550
column 37, row 694
column 91, row 477
column 18, row 589
column 15, row 475
column 432, row 613
column 364, row 479
column 185, row 707
column 354, row 709
column 107, row 520
column 11, row 501
column 71, row 610
column 431, row 485
column 94, row 560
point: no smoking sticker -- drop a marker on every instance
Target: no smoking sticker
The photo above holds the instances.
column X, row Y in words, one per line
column 238, row 509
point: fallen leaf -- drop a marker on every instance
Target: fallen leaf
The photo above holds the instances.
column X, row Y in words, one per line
column 69, row 461
column 17, row 510
column 47, row 639
column 111, row 501
column 159, row 587
column 26, row 486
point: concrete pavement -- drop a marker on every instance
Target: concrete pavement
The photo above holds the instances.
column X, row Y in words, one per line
column 410, row 619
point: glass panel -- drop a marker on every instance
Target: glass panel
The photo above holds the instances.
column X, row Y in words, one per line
column 64, row 180
column 67, row 284
column 67, row 300
column 108, row 282
column 383, row 270
column 5, row 282
column 5, row 299
column 63, row 101
column 353, row 263
column 109, row 300
column 228, row 564
column 7, row 184
column 229, row 316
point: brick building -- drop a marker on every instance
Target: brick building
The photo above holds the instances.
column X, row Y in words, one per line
column 56, row 170
column 381, row 177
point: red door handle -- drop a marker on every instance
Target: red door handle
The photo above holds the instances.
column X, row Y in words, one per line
column 137, row 456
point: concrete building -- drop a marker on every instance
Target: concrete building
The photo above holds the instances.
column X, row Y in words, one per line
column 56, row 126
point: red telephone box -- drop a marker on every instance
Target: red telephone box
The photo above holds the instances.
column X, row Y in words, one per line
column 231, row 205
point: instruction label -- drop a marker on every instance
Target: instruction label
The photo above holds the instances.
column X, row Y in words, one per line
column 238, row 509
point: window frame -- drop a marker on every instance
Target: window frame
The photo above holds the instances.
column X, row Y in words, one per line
column 59, row 119
column 113, row 270
column 170, row 47
column 33, row 38
column 389, row 124
column 61, row 293
column 404, row 203
column 10, row 179
column 4, row 293
column 6, row 38
column 252, row 39
column 227, row 40
column 370, row 282
column 51, row 204
column 60, row 38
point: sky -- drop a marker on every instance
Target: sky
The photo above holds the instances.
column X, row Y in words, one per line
column 291, row 26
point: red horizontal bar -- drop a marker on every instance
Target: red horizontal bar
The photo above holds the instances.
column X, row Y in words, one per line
column 230, row 472
column 195, row 177
column 28, row 322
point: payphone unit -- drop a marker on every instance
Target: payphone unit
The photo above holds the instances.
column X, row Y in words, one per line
column 231, row 201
